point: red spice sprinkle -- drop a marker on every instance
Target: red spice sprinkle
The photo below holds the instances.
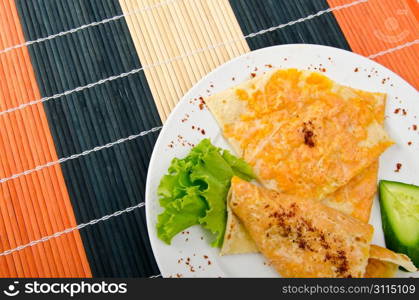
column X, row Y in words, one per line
column 409, row 143
column 308, row 139
column 202, row 103
column 397, row 110
column 356, row 70
column 186, row 118
column 253, row 75
column 203, row 131
column 205, row 256
column 404, row 112
column 308, row 134
column 268, row 66
column 323, row 70
column 209, row 262
column 193, row 127
column 415, row 127
column 398, row 167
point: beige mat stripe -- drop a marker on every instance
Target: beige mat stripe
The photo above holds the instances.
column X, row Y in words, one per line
column 174, row 29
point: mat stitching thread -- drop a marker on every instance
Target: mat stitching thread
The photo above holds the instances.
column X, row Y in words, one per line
column 69, row 230
column 84, row 153
column 408, row 44
column 93, row 24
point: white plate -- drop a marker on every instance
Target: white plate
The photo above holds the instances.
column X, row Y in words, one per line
column 340, row 66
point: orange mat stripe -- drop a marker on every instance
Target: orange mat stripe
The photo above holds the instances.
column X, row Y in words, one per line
column 36, row 205
column 381, row 24
column 414, row 7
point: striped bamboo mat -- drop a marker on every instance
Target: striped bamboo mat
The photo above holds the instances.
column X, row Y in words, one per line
column 76, row 74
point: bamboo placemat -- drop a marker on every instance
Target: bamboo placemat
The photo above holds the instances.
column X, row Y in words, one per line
column 182, row 28
column 77, row 75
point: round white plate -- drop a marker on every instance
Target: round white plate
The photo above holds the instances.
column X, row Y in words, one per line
column 190, row 254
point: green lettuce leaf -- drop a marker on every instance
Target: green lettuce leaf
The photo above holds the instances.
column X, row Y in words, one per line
column 216, row 173
column 195, row 191
column 180, row 214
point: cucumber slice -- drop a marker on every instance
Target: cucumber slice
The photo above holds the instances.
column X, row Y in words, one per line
column 399, row 204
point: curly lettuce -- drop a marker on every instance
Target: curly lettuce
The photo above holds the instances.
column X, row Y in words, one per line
column 195, row 191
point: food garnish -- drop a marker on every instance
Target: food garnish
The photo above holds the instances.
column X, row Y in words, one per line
column 195, row 190
column 399, row 204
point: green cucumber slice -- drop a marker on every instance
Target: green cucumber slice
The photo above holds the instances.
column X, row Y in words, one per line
column 399, row 204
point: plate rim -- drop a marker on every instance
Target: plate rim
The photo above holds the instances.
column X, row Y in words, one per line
column 186, row 96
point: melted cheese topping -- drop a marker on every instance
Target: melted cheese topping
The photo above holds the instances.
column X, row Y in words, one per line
column 305, row 134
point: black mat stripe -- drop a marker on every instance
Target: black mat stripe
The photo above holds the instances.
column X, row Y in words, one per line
column 255, row 15
column 112, row 179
